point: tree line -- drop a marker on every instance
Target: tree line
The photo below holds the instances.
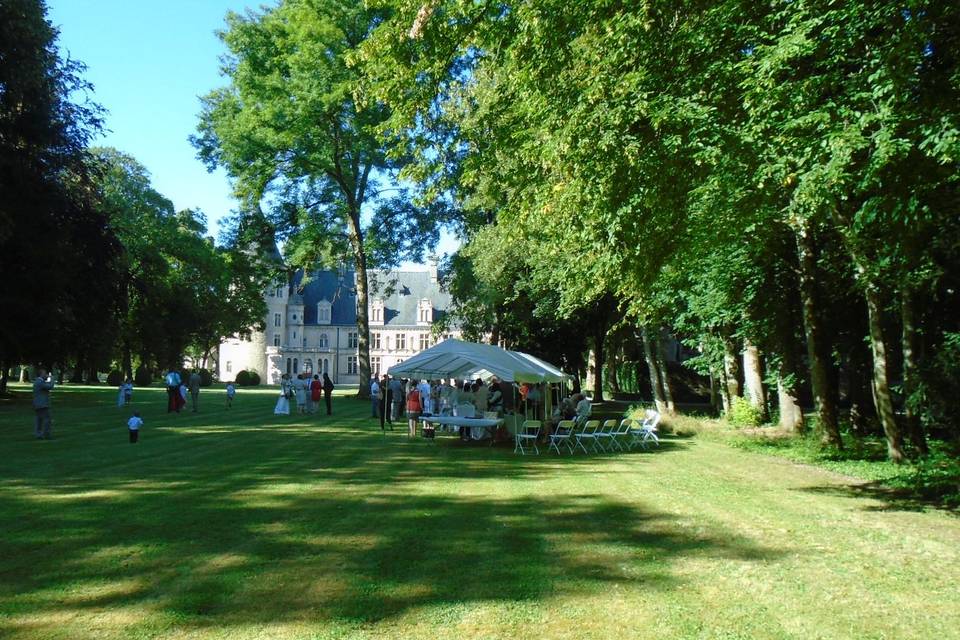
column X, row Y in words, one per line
column 99, row 271
column 774, row 183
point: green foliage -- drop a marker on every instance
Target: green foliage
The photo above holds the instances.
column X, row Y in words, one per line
column 206, row 378
column 143, row 377
column 247, row 378
column 744, row 414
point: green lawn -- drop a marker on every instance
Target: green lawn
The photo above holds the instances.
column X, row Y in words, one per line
column 242, row 525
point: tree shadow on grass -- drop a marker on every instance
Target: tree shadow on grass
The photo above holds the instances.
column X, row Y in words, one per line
column 885, row 498
column 337, row 529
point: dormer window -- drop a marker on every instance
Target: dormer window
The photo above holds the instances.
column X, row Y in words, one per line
column 424, row 311
column 376, row 312
column 323, row 312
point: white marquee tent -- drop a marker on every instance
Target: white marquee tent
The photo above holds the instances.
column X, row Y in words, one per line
column 466, row 360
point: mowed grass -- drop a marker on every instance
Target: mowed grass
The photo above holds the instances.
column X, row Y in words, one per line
column 239, row 524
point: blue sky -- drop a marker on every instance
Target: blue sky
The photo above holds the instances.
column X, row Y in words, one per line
column 149, row 63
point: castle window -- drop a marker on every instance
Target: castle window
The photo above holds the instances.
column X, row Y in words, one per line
column 229, row 367
column 324, row 341
column 376, row 340
column 424, row 341
column 352, row 340
column 276, row 319
column 375, row 364
column 276, row 339
column 323, row 312
column 352, row 365
column 401, row 341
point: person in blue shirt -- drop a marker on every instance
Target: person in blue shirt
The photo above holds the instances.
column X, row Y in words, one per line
column 42, row 428
column 172, row 381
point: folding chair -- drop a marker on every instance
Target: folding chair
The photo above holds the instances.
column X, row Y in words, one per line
column 529, row 432
column 647, row 431
column 605, row 434
column 621, row 431
column 561, row 435
column 587, row 432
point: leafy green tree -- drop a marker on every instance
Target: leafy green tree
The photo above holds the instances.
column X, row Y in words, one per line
column 55, row 247
column 291, row 134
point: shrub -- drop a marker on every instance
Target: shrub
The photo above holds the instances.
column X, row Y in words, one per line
column 206, row 378
column 254, row 378
column 243, row 378
column 744, row 414
column 114, row 378
column 143, row 377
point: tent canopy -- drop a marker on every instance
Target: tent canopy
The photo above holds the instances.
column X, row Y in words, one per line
column 466, row 360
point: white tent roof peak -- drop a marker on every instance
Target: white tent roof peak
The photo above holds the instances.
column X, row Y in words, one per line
column 454, row 358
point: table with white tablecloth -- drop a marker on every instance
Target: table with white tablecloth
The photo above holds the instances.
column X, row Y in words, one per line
column 478, row 426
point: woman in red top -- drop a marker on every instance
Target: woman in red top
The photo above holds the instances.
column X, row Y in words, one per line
column 316, row 388
column 414, row 408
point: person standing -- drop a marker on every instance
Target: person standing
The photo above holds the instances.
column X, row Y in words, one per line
column 327, row 392
column 396, row 392
column 316, row 388
column 194, row 390
column 374, row 397
column 300, row 391
column 283, row 402
column 414, row 408
column 480, row 395
column 42, row 385
column 386, row 397
column 172, row 380
column 127, row 391
column 424, row 388
column 133, row 427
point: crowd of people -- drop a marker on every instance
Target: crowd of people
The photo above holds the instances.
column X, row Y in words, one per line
column 304, row 393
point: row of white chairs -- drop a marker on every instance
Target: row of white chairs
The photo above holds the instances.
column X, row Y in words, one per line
column 600, row 437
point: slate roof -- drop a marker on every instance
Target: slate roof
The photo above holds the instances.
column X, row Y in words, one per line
column 400, row 291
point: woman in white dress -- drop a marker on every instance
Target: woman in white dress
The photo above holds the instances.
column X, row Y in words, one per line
column 283, row 402
column 300, row 389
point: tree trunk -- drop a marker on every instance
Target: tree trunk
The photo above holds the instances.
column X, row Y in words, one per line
column 863, row 418
column 363, row 321
column 127, row 360
column 731, row 373
column 77, row 376
column 4, row 376
column 715, row 402
column 881, row 387
column 613, row 375
column 655, row 384
column 753, row 379
column 23, row 373
column 599, row 343
column 911, row 370
column 791, row 415
column 818, row 351
column 664, row 374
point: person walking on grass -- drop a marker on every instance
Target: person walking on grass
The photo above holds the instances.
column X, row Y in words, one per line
column 327, row 392
column 42, row 385
column 231, row 391
column 133, row 427
column 195, row 390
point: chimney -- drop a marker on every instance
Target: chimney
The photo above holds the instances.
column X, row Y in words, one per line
column 433, row 261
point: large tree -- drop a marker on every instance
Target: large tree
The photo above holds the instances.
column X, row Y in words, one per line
column 55, row 245
column 296, row 142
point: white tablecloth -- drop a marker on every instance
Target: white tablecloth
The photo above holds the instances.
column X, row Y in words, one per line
column 480, row 428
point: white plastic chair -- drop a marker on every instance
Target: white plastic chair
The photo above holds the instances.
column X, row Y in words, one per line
column 647, row 432
column 562, row 435
column 587, row 433
column 529, row 433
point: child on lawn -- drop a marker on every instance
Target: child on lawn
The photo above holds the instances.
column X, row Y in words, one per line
column 231, row 391
column 133, row 426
